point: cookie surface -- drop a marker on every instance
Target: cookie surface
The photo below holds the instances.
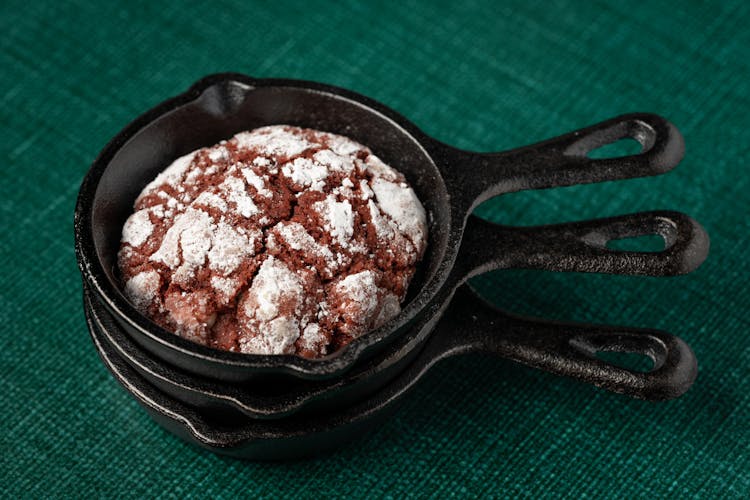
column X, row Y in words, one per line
column 280, row 240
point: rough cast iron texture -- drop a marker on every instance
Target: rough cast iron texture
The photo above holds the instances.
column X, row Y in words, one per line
column 449, row 182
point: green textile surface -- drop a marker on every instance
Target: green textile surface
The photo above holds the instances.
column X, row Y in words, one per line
column 480, row 75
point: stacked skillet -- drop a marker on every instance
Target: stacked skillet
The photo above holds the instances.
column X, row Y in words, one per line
column 271, row 407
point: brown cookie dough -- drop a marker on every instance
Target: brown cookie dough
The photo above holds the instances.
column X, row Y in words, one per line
column 280, row 240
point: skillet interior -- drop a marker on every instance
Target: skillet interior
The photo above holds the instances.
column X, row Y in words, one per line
column 215, row 110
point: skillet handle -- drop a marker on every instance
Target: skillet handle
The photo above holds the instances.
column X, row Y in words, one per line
column 582, row 246
column 564, row 161
column 570, row 349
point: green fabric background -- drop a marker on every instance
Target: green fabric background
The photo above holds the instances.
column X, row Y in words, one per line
column 479, row 75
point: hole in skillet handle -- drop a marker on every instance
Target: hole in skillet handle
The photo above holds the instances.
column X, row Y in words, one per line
column 660, row 243
column 627, row 146
column 603, row 356
column 619, row 140
column 647, row 243
column 633, row 361
column 640, row 351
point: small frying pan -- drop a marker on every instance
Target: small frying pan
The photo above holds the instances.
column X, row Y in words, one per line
column 565, row 349
column 448, row 181
column 468, row 325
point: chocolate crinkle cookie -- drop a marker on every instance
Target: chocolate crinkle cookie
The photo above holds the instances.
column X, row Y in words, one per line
column 280, row 240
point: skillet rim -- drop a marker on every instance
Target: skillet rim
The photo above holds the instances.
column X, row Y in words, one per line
column 96, row 277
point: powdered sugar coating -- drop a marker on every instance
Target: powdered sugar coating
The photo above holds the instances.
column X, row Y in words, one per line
column 274, row 310
column 143, row 288
column 279, row 240
column 137, row 229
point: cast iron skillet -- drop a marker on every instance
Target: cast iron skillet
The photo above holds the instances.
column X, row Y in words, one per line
column 536, row 343
column 448, row 181
column 468, row 325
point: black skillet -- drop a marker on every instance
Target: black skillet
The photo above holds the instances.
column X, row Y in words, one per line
column 670, row 356
column 468, row 325
column 449, row 182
